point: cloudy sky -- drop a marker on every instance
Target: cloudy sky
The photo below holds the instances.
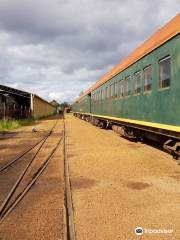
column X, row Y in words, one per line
column 57, row 48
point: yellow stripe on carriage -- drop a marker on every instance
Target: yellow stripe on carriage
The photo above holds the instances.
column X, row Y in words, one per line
column 143, row 123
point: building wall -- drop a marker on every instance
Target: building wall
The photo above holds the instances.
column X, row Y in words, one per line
column 41, row 108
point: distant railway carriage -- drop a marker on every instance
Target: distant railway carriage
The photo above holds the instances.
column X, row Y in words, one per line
column 140, row 97
column 83, row 104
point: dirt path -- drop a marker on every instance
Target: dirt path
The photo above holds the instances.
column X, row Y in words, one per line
column 39, row 216
column 119, row 185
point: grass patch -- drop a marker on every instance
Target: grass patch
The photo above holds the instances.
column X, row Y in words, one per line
column 13, row 124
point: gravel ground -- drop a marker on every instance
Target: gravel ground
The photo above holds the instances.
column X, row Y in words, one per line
column 119, row 185
column 39, row 215
column 16, row 141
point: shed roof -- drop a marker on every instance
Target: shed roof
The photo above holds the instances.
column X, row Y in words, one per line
column 14, row 91
column 21, row 93
column 168, row 31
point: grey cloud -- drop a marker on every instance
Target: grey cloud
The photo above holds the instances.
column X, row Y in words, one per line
column 59, row 47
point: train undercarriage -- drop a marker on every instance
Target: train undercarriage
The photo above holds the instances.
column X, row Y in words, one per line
column 168, row 140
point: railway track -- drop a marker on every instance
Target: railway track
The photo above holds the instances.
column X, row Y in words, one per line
column 28, row 175
column 32, row 171
column 33, row 137
column 21, row 155
column 70, row 228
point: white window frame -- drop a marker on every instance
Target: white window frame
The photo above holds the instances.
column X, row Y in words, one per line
column 135, row 82
column 160, row 81
column 144, row 86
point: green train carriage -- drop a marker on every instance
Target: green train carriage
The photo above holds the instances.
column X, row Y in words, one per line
column 83, row 105
column 157, row 102
column 142, row 96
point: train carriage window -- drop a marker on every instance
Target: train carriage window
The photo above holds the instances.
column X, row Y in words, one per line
column 106, row 92
column 121, row 86
column 137, row 82
column 147, row 78
column 164, row 72
column 109, row 91
column 127, row 86
column 116, row 89
column 112, row 90
column 101, row 94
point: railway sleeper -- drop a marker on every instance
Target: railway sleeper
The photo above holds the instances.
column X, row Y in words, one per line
column 173, row 147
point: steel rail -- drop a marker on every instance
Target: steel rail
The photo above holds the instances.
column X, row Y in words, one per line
column 26, row 151
column 21, row 155
column 70, row 228
column 30, row 183
column 17, row 183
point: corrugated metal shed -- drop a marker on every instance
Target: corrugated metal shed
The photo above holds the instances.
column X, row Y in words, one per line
column 18, row 104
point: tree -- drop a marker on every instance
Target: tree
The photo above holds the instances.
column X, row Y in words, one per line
column 64, row 105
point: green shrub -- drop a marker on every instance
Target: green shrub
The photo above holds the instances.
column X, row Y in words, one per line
column 12, row 124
